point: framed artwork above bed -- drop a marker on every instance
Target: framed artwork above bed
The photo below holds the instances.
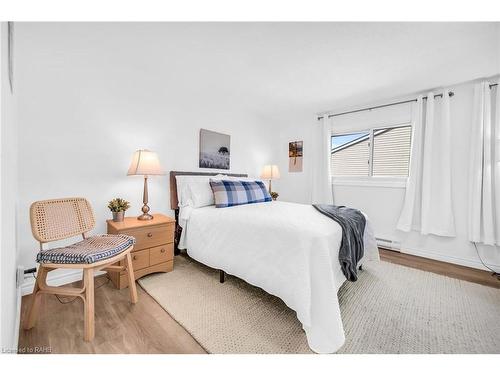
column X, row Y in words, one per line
column 215, row 150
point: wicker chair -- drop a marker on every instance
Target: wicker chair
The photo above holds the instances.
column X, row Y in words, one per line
column 57, row 219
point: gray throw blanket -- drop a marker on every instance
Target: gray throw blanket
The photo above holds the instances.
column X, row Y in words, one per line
column 353, row 224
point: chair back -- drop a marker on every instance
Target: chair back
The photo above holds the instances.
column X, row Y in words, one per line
column 57, row 219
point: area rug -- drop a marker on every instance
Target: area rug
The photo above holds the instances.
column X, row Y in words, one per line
column 390, row 309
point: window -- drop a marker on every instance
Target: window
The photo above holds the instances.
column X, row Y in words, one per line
column 391, row 151
column 351, row 154
column 381, row 152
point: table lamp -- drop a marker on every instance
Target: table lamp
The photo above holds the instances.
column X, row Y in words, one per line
column 270, row 172
column 145, row 163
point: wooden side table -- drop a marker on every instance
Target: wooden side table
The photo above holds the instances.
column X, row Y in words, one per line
column 154, row 247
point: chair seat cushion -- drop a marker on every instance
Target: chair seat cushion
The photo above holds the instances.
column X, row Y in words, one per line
column 90, row 250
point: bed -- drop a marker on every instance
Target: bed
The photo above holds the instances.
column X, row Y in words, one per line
column 290, row 250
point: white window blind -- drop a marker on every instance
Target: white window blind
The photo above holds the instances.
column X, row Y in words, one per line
column 382, row 152
column 391, row 152
column 351, row 154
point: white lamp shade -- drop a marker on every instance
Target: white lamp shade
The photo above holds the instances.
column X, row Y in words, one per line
column 270, row 172
column 145, row 163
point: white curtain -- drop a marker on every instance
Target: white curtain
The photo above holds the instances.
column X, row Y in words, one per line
column 484, row 167
column 321, row 178
column 428, row 205
column 411, row 205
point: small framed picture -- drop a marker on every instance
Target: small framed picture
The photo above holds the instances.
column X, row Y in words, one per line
column 295, row 156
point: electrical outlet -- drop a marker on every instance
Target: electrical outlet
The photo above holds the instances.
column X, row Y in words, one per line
column 30, row 270
column 20, row 276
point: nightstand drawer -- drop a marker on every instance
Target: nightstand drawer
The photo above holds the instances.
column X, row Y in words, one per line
column 161, row 254
column 140, row 259
column 151, row 236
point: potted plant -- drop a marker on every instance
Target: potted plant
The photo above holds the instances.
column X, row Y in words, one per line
column 274, row 195
column 118, row 206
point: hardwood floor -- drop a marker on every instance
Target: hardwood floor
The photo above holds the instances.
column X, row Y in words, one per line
column 447, row 269
column 120, row 327
column 146, row 327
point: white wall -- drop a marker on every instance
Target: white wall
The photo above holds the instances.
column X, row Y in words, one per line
column 298, row 126
column 92, row 94
column 8, row 192
column 383, row 204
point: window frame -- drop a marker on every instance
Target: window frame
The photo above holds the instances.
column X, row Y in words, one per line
column 371, row 180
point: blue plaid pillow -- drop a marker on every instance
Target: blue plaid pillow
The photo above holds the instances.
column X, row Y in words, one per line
column 233, row 193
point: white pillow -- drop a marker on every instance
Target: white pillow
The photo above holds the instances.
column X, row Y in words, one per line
column 199, row 195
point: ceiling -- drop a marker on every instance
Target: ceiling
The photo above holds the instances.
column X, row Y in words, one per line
column 274, row 68
column 323, row 66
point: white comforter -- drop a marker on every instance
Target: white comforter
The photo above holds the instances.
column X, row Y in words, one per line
column 290, row 250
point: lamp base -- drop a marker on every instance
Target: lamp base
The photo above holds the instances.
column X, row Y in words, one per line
column 145, row 211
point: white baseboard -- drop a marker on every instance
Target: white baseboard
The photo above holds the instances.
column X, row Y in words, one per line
column 18, row 317
column 61, row 278
column 448, row 258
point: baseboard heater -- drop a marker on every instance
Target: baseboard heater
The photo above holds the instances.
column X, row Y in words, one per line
column 385, row 243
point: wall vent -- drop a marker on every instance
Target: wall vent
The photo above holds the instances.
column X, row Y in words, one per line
column 385, row 243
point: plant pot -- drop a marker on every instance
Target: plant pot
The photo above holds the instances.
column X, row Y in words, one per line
column 118, row 216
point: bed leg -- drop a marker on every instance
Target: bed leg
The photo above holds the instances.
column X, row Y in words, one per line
column 222, row 276
column 361, row 267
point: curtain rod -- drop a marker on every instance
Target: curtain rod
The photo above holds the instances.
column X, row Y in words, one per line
column 450, row 94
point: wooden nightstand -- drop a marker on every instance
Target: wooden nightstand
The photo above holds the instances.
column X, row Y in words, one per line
column 154, row 247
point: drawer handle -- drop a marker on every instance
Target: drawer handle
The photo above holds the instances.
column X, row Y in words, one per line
column 162, row 250
column 150, row 234
column 134, row 257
